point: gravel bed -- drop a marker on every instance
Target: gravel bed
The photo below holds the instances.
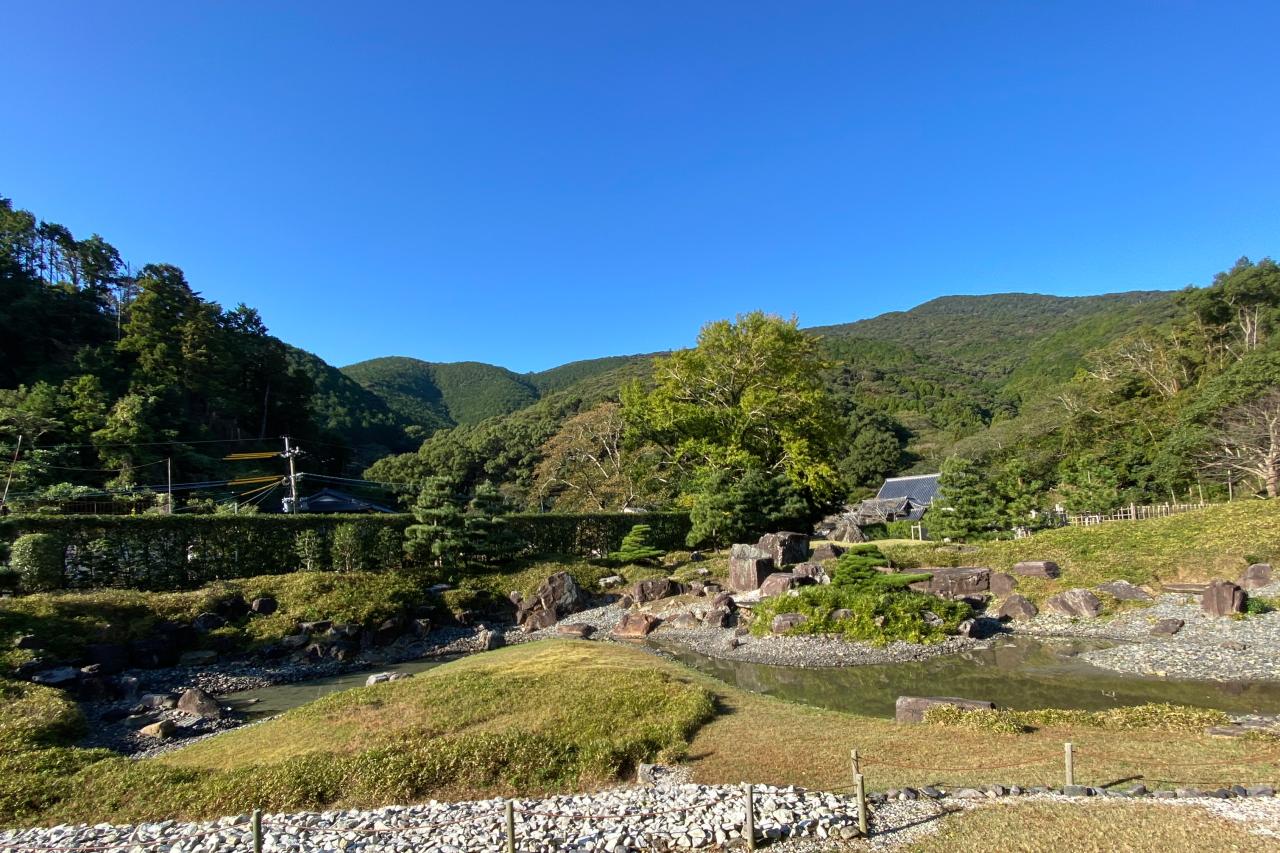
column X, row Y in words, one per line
column 1207, row 647
column 667, row 817
column 803, row 651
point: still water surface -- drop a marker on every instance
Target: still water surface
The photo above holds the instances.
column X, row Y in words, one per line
column 1019, row 673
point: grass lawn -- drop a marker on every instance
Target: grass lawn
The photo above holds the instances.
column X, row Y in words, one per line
column 1092, row 827
column 1216, row 542
column 553, row 716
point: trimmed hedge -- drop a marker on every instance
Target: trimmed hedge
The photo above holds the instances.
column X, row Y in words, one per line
column 171, row 552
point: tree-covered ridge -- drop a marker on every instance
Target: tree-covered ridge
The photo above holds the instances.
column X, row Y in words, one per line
column 568, row 375
column 434, row 396
column 115, row 377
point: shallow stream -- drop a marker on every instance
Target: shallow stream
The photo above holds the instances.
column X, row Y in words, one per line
column 1017, row 672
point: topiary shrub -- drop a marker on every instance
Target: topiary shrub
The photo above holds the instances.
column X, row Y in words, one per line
column 859, row 569
column 39, row 560
column 635, row 547
column 309, row 546
column 347, row 548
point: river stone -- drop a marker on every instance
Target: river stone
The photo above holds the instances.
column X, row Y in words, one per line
column 264, row 606
column 718, row 617
column 1038, row 569
column 784, row 622
column 1122, row 590
column 655, row 588
column 1003, row 583
column 293, row 642
column 911, row 709
column 162, row 730
column 384, row 678
column 28, row 642
column 1079, row 603
column 1257, row 575
column 785, row 548
column 636, row 626
column 724, row 600
column 578, row 630
column 1222, row 598
column 198, row 703
column 684, row 622
column 841, row 614
column 487, row 639
column 1166, row 627
column 157, row 701
column 611, row 581
column 232, row 608
column 1018, row 608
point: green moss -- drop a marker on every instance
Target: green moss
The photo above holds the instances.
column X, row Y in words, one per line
column 877, row 617
column 1149, row 717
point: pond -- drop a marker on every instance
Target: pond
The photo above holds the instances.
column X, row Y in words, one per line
column 277, row 698
column 1018, row 672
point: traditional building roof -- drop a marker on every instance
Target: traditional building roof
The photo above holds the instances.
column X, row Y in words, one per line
column 920, row 489
column 332, row 500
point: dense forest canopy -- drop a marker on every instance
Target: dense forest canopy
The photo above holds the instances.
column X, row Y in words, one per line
column 109, row 371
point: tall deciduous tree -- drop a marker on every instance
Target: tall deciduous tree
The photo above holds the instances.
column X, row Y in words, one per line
column 588, row 467
column 1247, row 442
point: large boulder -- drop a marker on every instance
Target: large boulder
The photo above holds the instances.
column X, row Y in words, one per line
column 1018, row 608
column 1003, row 583
column 911, row 709
column 206, row 622
column 718, row 617
column 1122, row 590
column 198, row 703
column 781, row 582
column 825, row 551
column 576, row 630
column 1257, row 575
column 785, row 548
column 1079, row 603
column 1166, row 627
column 748, row 567
column 684, row 622
column 955, row 582
column 653, row 589
column 1222, row 598
column 635, row 626
column 1038, row 569
column 815, row 572
column 784, row 622
column 161, row 730
column 264, row 606
column 557, row 597
column 61, row 676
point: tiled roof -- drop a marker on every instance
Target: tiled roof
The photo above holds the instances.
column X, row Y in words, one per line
column 920, row 489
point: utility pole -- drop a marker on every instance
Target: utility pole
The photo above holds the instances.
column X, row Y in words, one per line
column 290, row 453
column 12, row 465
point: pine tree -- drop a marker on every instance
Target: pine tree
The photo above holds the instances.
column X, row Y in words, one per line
column 967, row 506
column 439, row 536
column 635, row 547
column 488, row 537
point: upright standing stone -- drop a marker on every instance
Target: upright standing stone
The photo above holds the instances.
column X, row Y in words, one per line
column 1222, row 598
column 748, row 567
column 785, row 548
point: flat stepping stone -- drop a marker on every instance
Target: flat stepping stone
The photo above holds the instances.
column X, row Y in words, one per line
column 1185, row 588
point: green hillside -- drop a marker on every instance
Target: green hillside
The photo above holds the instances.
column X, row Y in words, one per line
column 1005, row 334
column 436, row 396
column 567, row 375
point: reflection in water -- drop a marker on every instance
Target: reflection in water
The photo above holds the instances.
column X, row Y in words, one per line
column 1013, row 672
column 278, row 698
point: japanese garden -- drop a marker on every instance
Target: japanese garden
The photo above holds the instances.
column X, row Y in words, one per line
column 897, row 530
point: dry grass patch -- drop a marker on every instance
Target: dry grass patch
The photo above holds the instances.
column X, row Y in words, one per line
column 1091, row 827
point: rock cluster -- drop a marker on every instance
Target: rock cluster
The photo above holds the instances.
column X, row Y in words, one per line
column 558, row 596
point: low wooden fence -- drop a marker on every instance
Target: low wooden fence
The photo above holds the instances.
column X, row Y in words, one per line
column 1132, row 512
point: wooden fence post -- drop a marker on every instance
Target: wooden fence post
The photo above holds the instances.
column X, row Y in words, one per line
column 1068, row 759
column 749, row 819
column 255, row 824
column 860, row 791
column 853, row 759
column 511, row 826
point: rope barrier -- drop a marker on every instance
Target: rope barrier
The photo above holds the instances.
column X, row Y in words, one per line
column 422, row 827
column 879, row 762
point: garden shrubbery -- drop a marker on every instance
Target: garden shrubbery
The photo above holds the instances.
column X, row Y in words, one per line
column 38, row 560
column 1150, row 717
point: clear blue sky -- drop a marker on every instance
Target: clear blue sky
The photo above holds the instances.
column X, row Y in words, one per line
column 529, row 183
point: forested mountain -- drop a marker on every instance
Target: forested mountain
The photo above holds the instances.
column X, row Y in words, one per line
column 107, row 372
